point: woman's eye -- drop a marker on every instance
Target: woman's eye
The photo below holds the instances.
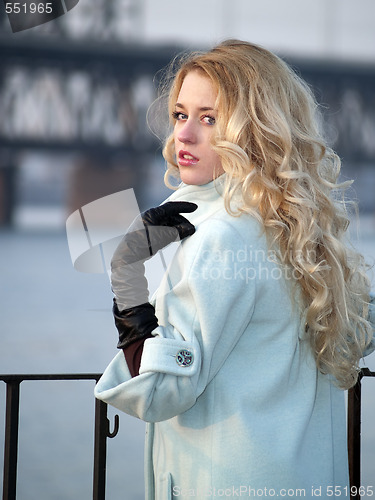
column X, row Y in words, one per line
column 177, row 115
column 210, row 120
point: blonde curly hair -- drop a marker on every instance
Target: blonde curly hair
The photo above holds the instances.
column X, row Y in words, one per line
column 268, row 137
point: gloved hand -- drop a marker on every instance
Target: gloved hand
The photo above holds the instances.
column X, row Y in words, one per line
column 153, row 230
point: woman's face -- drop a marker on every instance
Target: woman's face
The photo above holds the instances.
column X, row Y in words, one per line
column 195, row 117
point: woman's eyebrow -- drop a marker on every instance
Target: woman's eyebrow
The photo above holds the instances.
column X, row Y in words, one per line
column 203, row 108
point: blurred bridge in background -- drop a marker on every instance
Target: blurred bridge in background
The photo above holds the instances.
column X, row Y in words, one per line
column 90, row 98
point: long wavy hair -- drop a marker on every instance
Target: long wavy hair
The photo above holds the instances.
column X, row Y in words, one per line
column 269, row 139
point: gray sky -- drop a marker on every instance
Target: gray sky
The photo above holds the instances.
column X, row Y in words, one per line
column 339, row 29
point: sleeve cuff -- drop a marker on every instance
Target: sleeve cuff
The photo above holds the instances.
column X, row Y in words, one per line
column 172, row 356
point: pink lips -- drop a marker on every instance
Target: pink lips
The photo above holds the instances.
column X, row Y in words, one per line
column 186, row 159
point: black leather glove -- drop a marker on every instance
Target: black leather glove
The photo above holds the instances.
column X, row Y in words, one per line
column 153, row 230
column 135, row 323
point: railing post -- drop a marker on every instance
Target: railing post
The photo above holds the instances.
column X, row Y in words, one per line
column 100, row 450
column 11, row 440
column 354, row 438
column 354, row 434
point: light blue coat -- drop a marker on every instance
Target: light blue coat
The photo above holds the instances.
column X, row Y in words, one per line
column 235, row 404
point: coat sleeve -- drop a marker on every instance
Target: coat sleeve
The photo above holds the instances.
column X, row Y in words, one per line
column 204, row 315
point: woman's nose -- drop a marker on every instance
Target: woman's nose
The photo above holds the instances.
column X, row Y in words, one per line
column 187, row 133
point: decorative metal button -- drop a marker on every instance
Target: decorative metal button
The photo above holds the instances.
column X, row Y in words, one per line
column 184, row 357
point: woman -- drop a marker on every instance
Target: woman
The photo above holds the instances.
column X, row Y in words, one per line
column 239, row 363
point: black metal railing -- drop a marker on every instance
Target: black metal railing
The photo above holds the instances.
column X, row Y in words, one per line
column 354, row 434
column 101, row 432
